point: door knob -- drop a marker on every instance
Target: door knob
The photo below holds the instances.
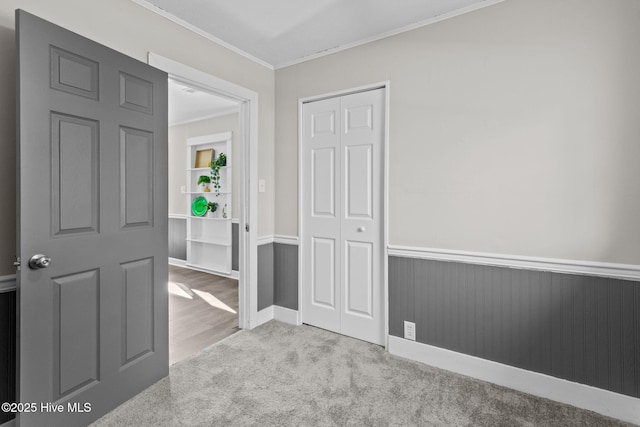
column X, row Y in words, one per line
column 39, row 261
column 361, row 229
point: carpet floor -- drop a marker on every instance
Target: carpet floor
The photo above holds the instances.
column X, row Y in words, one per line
column 281, row 375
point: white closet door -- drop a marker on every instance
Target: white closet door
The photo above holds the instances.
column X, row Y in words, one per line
column 342, row 206
column 322, row 209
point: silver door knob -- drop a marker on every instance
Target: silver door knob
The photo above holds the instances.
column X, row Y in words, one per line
column 361, row 229
column 39, row 261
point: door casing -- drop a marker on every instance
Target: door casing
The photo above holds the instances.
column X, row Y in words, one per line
column 386, row 85
column 248, row 251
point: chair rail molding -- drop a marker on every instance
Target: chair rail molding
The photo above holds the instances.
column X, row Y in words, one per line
column 555, row 265
column 8, row 283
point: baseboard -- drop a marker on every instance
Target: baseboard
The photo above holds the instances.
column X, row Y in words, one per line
column 178, row 262
column 11, row 423
column 589, row 268
column 7, row 284
column 286, row 315
column 604, row 402
column 265, row 315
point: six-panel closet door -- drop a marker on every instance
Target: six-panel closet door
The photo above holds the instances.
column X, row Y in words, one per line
column 342, row 214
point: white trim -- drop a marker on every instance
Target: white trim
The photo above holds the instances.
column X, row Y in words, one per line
column 285, row 240
column 10, row 423
column 611, row 404
column 202, row 33
column 248, row 99
column 617, row 271
column 235, row 220
column 226, row 112
column 8, row 283
column 278, row 238
column 390, row 33
column 179, row 263
column 301, row 101
column 205, row 139
column 182, row 263
column 265, row 315
column 286, row 315
column 177, row 216
column 343, row 92
column 385, row 210
column 265, row 240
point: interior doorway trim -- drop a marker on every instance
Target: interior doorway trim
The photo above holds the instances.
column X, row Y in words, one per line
column 386, row 85
column 248, row 251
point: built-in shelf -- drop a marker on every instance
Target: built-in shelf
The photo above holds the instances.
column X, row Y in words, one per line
column 209, row 237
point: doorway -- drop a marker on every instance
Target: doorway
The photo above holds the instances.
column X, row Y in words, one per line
column 203, row 167
column 248, row 183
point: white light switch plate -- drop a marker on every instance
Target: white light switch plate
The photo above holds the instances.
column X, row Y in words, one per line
column 262, row 186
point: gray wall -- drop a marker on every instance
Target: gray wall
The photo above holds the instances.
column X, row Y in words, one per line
column 177, row 238
column 580, row 328
column 265, row 276
column 7, row 350
column 285, row 275
column 278, row 275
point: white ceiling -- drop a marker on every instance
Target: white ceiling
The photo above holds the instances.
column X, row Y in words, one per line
column 187, row 104
column 282, row 32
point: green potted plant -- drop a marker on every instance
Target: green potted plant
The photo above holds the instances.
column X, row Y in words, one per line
column 211, row 208
column 204, row 181
column 215, row 171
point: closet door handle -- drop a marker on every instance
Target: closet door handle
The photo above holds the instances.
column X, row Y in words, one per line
column 361, row 229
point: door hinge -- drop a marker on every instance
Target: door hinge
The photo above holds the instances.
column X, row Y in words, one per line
column 246, row 227
column 16, row 263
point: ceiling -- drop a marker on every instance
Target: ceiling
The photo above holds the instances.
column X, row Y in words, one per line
column 278, row 33
column 187, row 104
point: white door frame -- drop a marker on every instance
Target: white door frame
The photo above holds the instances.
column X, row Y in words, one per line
column 386, row 85
column 248, row 251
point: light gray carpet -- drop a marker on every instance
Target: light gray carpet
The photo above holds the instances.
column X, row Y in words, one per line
column 280, row 375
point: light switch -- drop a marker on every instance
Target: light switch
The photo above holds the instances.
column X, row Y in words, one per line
column 183, row 189
column 262, row 186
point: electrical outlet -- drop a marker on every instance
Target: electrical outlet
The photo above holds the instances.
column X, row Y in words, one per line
column 262, row 186
column 409, row 330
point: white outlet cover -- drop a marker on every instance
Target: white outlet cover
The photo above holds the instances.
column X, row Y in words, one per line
column 409, row 330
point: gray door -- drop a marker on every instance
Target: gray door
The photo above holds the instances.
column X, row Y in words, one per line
column 92, row 159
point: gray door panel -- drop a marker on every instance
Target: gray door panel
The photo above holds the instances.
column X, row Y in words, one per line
column 92, row 195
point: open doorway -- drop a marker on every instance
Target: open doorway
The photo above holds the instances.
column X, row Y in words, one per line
column 204, row 173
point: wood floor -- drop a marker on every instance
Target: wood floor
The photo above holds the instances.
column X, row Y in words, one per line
column 203, row 309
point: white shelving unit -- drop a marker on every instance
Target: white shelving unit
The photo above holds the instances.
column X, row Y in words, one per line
column 209, row 237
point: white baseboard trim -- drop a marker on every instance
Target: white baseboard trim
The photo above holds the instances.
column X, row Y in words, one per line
column 265, row 315
column 281, row 314
column 286, row 315
column 604, row 402
column 184, row 264
column 7, row 283
column 178, row 262
column 616, row 271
